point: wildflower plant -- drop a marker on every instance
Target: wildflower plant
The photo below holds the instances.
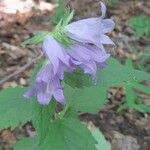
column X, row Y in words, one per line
column 74, row 77
column 140, row 25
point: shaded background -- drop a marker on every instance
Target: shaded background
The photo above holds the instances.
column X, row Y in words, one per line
column 21, row 19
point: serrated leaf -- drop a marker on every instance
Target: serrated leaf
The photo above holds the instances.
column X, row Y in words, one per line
column 87, row 99
column 102, row 144
column 116, row 74
column 68, row 134
column 26, row 144
column 36, row 39
column 41, row 119
column 14, row 109
column 131, row 85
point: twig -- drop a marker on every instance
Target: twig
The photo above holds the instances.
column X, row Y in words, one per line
column 19, row 70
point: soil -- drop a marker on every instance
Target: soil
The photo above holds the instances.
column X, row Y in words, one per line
column 127, row 130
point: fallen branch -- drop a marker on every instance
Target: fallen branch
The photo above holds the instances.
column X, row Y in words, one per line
column 21, row 69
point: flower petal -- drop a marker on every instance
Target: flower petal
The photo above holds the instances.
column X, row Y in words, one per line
column 30, row 93
column 79, row 52
column 89, row 30
column 59, row 96
column 57, row 90
column 104, row 39
column 84, row 30
column 54, row 52
column 90, row 68
column 46, row 73
column 108, row 25
column 43, row 98
column 102, row 9
column 82, row 53
column 44, row 93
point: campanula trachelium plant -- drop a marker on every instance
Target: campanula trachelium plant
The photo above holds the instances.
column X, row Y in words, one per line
column 73, row 77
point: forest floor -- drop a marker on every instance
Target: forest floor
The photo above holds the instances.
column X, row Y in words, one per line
column 127, row 130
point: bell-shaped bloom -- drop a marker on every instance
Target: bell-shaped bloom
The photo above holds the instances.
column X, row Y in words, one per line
column 55, row 52
column 47, row 84
column 87, row 57
column 86, row 51
column 92, row 30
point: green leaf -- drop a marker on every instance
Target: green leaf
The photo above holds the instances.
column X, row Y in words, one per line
column 130, row 86
column 36, row 39
column 87, row 99
column 141, row 25
column 116, row 74
column 130, row 97
column 26, row 144
column 59, row 13
column 78, row 79
column 68, row 17
column 41, row 118
column 36, row 69
column 143, row 60
column 68, row 134
column 141, row 88
column 14, row 109
column 102, row 144
column 142, row 108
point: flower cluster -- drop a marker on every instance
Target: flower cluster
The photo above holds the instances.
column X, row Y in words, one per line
column 86, row 51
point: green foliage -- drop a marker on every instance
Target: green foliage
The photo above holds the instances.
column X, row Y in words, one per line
column 126, row 76
column 36, row 39
column 88, row 98
column 68, row 134
column 26, row 144
column 102, row 144
column 14, row 109
column 111, row 2
column 62, row 14
column 62, row 130
column 41, row 119
column 144, row 59
column 65, row 131
column 59, row 13
column 58, row 32
column 78, row 79
column 132, row 100
column 116, row 74
column 65, row 134
column 141, row 25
